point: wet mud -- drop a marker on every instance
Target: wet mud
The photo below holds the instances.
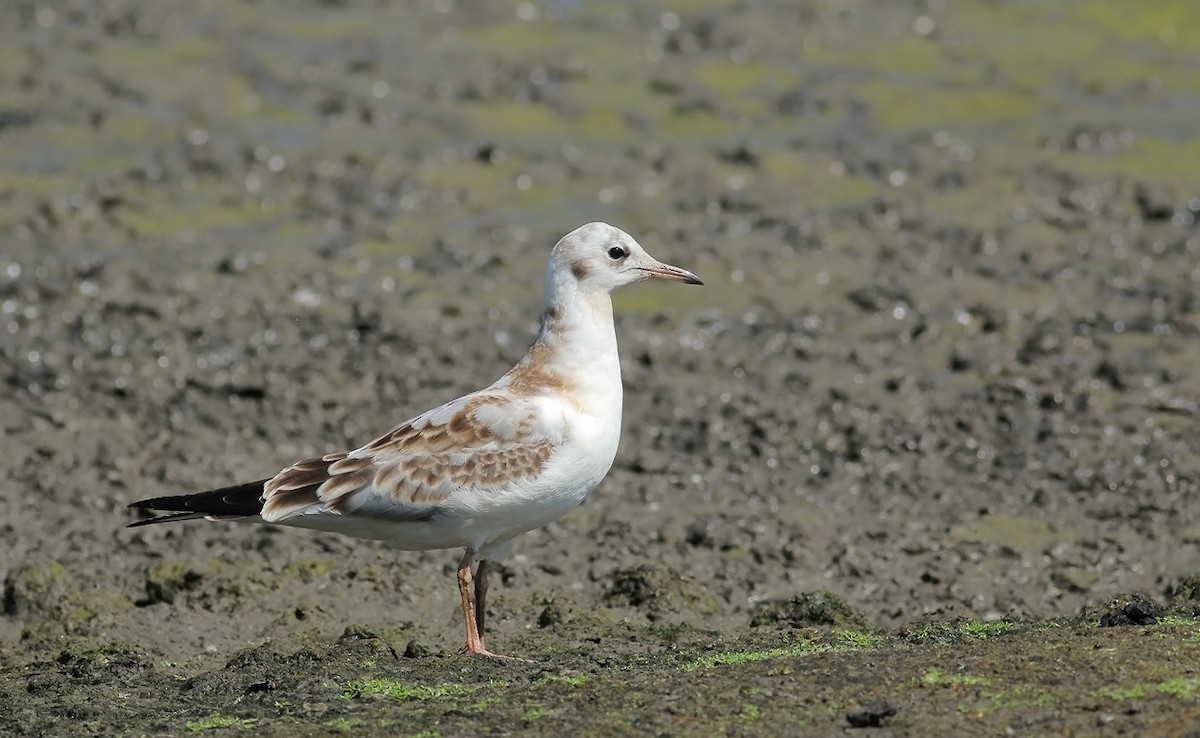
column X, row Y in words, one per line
column 919, row 458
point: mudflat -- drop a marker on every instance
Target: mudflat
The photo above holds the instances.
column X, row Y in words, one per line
column 920, row 456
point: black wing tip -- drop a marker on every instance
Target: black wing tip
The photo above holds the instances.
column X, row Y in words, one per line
column 238, row 500
column 164, row 519
column 151, row 503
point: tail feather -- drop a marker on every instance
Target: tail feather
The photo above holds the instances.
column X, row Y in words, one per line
column 237, row 501
column 166, row 519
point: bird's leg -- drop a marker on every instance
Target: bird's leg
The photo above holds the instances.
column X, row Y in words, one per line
column 473, row 604
column 481, row 588
column 474, row 641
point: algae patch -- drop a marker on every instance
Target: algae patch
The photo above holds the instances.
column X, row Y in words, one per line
column 1183, row 688
column 954, row 632
column 360, row 688
column 216, row 722
column 574, row 680
column 936, row 678
column 844, row 641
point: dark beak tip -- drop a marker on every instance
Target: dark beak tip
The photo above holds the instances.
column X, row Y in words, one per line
column 673, row 274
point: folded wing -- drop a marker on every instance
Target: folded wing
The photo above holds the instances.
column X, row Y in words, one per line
column 481, row 442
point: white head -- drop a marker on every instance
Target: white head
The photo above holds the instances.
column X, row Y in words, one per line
column 597, row 258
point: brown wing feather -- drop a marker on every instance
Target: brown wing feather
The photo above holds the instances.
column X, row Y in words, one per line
column 479, row 441
column 313, row 481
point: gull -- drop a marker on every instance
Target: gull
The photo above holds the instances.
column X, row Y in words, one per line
column 480, row 470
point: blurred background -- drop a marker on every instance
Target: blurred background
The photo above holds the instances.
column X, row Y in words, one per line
column 946, row 360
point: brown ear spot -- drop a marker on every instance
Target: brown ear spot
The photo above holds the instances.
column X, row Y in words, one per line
column 579, row 269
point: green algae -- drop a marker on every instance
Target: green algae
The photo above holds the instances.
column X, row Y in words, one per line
column 217, row 722
column 360, row 688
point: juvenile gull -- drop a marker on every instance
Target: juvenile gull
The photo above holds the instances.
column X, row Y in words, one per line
column 481, row 470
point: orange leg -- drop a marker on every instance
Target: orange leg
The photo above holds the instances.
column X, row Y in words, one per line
column 481, row 588
column 474, row 641
column 473, row 605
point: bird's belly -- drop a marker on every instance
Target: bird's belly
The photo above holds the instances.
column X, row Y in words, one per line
column 499, row 515
column 409, row 535
column 473, row 517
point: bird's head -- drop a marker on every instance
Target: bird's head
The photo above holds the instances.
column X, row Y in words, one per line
column 600, row 258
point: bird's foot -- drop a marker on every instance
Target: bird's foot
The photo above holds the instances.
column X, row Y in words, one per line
column 479, row 650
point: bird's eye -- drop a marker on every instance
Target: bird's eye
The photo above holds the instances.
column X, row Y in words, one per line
column 616, row 253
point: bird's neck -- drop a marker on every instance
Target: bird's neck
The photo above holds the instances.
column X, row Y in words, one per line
column 575, row 353
column 579, row 336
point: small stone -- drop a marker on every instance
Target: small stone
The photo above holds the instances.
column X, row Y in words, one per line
column 807, row 609
column 1136, row 612
column 871, row 715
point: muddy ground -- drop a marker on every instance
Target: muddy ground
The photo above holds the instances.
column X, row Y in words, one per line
column 930, row 422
